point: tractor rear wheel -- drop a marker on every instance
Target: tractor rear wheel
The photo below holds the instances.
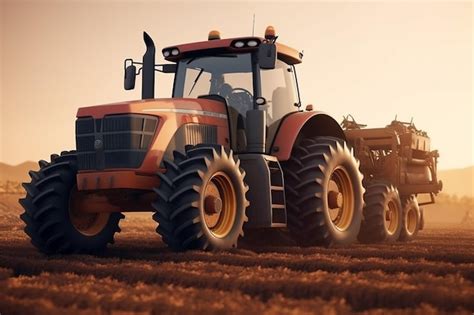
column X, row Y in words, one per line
column 382, row 214
column 201, row 200
column 324, row 193
column 412, row 219
column 54, row 220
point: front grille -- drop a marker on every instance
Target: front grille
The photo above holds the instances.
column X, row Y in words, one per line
column 116, row 141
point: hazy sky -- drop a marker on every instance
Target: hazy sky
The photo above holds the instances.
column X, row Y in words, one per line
column 372, row 59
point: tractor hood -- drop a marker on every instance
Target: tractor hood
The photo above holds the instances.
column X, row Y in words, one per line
column 135, row 136
column 189, row 107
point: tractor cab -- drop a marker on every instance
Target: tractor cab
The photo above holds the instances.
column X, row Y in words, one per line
column 250, row 75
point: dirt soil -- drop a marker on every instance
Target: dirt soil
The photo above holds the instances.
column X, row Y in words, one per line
column 138, row 274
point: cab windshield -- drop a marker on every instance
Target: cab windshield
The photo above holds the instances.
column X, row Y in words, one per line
column 226, row 75
column 231, row 77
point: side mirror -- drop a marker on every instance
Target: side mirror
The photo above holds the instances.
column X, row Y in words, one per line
column 130, row 75
column 267, row 55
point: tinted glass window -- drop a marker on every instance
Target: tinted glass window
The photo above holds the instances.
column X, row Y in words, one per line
column 279, row 89
column 229, row 76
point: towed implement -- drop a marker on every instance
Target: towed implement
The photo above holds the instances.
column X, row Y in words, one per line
column 398, row 165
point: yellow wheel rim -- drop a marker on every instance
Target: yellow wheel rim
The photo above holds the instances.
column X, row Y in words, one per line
column 88, row 224
column 411, row 220
column 340, row 199
column 219, row 204
column 391, row 215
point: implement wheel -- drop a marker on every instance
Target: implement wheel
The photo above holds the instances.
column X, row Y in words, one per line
column 382, row 214
column 412, row 219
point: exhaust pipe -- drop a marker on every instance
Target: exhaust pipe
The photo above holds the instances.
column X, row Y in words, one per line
column 148, row 68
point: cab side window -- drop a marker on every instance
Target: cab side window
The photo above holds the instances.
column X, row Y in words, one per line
column 279, row 90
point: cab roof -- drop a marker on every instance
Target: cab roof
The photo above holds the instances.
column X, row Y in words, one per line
column 227, row 45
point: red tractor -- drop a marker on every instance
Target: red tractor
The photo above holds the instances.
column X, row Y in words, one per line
column 231, row 151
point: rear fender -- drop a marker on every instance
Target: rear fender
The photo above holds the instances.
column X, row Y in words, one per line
column 300, row 125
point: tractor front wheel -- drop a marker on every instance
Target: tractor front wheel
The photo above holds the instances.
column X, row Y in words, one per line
column 54, row 217
column 201, row 200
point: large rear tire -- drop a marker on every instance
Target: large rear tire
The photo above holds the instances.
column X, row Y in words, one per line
column 382, row 214
column 201, row 200
column 53, row 221
column 412, row 219
column 324, row 193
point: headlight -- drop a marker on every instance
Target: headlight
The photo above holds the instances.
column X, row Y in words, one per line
column 166, row 53
column 175, row 52
column 252, row 43
column 239, row 44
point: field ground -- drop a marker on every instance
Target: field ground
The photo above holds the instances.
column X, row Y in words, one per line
column 432, row 275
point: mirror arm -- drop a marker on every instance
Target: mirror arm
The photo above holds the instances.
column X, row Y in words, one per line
column 159, row 70
column 165, row 68
column 133, row 62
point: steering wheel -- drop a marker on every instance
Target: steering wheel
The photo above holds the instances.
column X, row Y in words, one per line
column 240, row 99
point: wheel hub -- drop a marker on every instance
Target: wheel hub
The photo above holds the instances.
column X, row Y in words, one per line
column 335, row 199
column 212, row 205
column 219, row 204
column 86, row 223
column 340, row 199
